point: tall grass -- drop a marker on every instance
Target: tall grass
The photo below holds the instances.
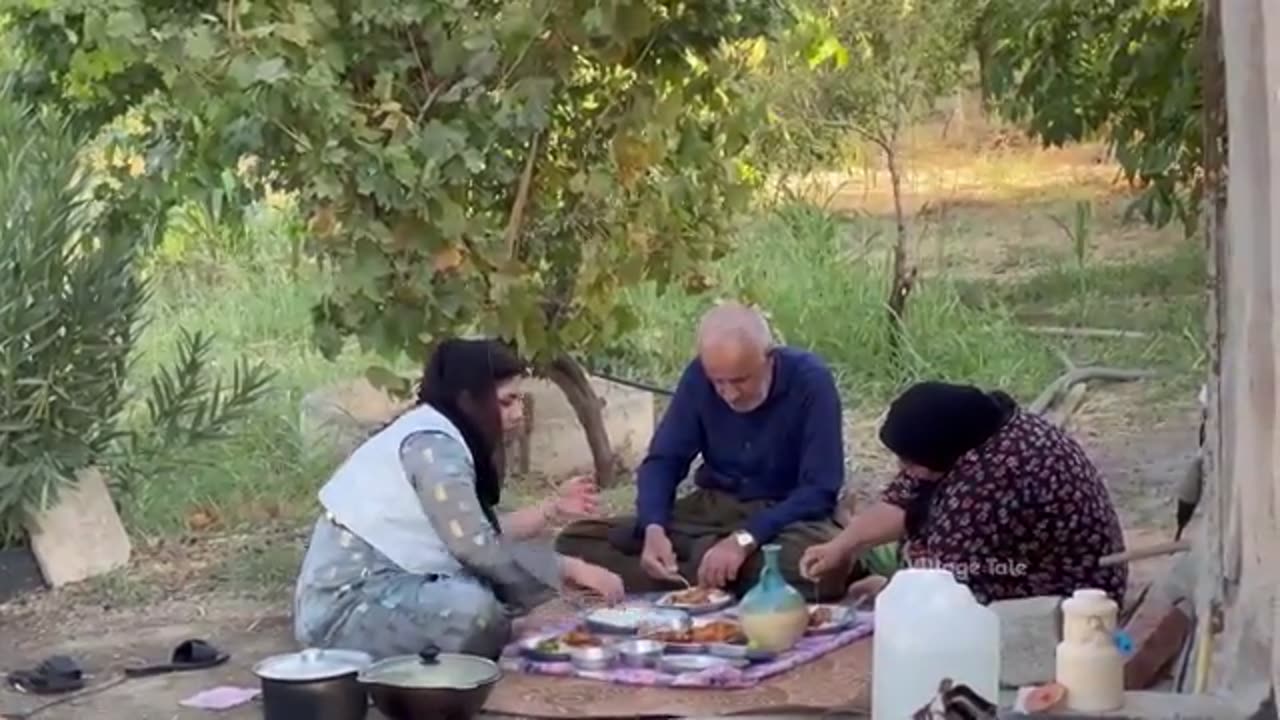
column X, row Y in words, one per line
column 256, row 306
column 823, row 282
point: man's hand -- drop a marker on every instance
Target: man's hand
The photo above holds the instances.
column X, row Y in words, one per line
column 658, row 559
column 821, row 560
column 720, row 564
column 577, row 498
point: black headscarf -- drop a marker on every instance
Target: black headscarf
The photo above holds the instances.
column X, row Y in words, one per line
column 934, row 424
column 472, row 369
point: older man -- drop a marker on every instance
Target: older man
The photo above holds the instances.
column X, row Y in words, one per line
column 766, row 421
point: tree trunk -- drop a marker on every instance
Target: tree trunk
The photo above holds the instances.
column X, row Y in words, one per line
column 903, row 274
column 983, row 44
column 568, row 375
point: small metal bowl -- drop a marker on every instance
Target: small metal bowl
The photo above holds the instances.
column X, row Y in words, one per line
column 680, row 664
column 533, row 648
column 640, row 653
column 593, row 658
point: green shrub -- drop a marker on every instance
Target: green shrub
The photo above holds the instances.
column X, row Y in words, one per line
column 71, row 303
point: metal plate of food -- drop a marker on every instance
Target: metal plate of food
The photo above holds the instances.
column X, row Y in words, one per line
column 557, row 647
column 697, row 600
column 725, row 638
column 741, row 651
column 698, row 636
column 629, row 619
column 828, row 619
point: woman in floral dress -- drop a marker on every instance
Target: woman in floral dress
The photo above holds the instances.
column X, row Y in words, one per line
column 1004, row 499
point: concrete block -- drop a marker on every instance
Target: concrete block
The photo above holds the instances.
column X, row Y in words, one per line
column 334, row 420
column 1030, row 630
column 81, row 536
column 557, row 445
column 1158, row 630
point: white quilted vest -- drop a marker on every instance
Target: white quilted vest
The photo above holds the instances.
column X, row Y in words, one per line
column 371, row 496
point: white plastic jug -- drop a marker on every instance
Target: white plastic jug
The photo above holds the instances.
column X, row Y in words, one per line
column 929, row 627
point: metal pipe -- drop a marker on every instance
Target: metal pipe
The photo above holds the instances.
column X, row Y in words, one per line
column 1165, row 548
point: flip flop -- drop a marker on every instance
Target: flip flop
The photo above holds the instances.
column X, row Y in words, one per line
column 189, row 655
column 56, row 675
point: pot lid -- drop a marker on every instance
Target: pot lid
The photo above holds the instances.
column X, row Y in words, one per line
column 312, row 664
column 433, row 669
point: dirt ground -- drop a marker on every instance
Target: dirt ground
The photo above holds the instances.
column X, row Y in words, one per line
column 1142, row 458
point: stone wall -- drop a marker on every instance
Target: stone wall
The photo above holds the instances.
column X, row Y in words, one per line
column 334, row 420
column 557, row 446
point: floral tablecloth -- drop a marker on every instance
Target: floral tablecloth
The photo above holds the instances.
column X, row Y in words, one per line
column 806, row 650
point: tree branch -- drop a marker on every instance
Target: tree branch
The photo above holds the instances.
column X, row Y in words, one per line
column 511, row 236
column 511, row 69
column 1085, row 332
column 569, row 376
column 1083, row 374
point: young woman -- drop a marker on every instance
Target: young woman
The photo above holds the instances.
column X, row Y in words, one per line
column 410, row 548
column 1002, row 498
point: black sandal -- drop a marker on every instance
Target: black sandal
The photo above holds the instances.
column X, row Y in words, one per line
column 56, row 675
column 190, row 655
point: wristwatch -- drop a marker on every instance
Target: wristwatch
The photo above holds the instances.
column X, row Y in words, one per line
column 744, row 539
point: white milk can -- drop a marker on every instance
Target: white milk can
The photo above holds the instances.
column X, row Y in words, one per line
column 1089, row 664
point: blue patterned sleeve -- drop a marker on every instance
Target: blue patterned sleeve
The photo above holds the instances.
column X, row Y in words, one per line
column 442, row 473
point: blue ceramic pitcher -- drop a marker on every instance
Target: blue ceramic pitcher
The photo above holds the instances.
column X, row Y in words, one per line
column 774, row 614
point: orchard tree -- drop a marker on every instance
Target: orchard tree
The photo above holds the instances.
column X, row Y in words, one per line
column 498, row 166
column 874, row 69
column 1070, row 70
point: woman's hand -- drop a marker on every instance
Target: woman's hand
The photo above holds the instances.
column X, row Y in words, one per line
column 602, row 582
column 577, row 498
column 820, row 560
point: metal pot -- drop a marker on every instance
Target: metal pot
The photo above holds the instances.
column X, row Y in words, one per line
column 314, row 685
column 431, row 685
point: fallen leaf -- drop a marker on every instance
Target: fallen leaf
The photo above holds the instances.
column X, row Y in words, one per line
column 447, row 259
column 323, row 221
column 203, row 519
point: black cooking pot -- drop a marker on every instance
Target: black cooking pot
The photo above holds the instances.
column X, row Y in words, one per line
column 431, row 685
column 314, row 685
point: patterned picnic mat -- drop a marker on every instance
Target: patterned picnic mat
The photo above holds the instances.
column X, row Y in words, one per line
column 837, row 679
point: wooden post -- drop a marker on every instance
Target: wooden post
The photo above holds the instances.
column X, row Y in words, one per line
column 1246, row 471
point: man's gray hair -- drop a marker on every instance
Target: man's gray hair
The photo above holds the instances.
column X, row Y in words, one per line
column 735, row 322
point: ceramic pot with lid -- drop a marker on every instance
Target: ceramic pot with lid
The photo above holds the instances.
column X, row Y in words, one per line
column 314, row 685
column 431, row 685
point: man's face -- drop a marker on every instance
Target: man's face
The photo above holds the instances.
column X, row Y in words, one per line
column 741, row 375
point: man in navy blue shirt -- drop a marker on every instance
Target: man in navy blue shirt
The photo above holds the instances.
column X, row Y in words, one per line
column 766, row 421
